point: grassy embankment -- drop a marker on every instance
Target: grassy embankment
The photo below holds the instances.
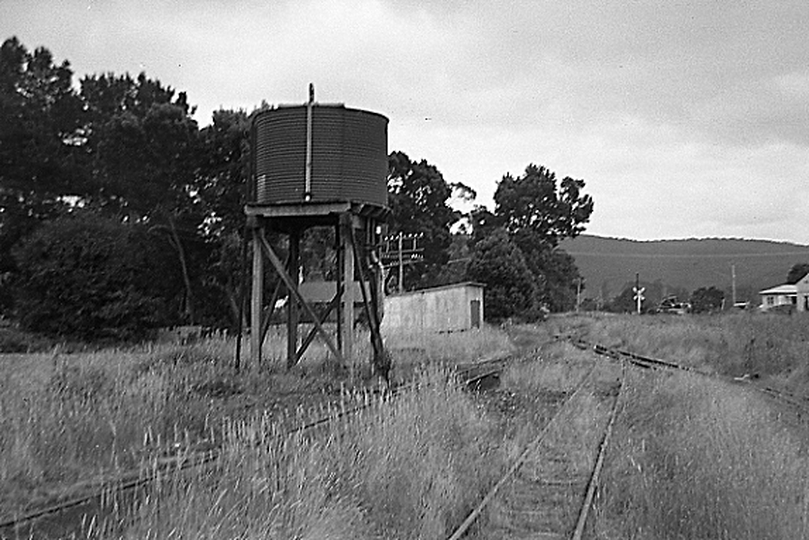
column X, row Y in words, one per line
column 70, row 418
column 699, row 458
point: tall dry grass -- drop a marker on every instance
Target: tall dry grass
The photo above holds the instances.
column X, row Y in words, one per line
column 72, row 418
column 694, row 458
column 773, row 347
column 410, row 350
column 409, row 468
column 67, row 420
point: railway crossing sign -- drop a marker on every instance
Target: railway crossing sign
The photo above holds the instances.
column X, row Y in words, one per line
column 639, row 295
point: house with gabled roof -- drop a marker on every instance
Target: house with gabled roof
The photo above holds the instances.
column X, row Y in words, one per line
column 788, row 294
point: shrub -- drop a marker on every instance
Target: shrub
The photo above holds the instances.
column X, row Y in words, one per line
column 90, row 277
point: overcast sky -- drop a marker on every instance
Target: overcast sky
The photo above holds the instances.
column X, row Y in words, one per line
column 684, row 118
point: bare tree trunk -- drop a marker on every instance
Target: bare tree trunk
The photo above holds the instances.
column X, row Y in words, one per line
column 189, row 292
column 233, row 302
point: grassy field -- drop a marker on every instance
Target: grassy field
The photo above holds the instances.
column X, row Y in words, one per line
column 692, row 457
column 771, row 347
column 412, row 467
column 405, row 469
column 695, row 457
column 68, row 420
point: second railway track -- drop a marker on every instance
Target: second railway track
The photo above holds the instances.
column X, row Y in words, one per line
column 643, row 361
column 548, row 490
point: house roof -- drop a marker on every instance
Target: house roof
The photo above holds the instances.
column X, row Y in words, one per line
column 781, row 289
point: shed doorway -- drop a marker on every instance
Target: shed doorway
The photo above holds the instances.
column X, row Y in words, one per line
column 474, row 305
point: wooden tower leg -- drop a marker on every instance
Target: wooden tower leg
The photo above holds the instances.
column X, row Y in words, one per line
column 370, row 301
column 292, row 301
column 347, row 302
column 338, row 248
column 256, row 299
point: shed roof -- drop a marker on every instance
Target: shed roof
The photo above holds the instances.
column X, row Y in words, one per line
column 444, row 287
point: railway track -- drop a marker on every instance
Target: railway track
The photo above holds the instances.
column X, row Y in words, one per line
column 642, row 361
column 68, row 515
column 546, row 493
column 549, row 489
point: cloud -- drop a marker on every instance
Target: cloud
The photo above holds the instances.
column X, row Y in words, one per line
column 685, row 118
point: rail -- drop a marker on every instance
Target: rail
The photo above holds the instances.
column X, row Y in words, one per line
column 534, row 445
column 649, row 362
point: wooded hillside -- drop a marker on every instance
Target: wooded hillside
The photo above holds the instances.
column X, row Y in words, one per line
column 609, row 264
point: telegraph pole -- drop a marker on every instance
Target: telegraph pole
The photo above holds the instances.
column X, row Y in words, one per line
column 733, row 276
column 401, row 263
column 401, row 250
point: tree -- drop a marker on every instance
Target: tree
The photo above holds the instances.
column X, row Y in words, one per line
column 706, row 300
column 418, row 196
column 221, row 189
column 40, row 144
column 224, row 169
column 511, row 289
column 559, row 279
column 625, row 302
column 126, row 147
column 88, row 277
column 459, row 253
column 538, row 212
column 145, row 150
column 483, row 223
column 533, row 206
column 797, row 272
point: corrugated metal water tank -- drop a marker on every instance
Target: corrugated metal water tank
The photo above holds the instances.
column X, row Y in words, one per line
column 349, row 155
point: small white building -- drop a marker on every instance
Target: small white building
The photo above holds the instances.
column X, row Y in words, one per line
column 787, row 294
column 449, row 308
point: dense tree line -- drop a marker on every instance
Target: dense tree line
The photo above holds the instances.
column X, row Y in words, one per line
column 118, row 159
column 118, row 213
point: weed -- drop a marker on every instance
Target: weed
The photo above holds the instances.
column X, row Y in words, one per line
column 698, row 459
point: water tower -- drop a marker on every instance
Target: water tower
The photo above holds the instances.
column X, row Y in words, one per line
column 319, row 165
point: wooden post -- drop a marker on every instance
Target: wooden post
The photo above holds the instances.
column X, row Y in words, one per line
column 256, row 298
column 401, row 263
column 370, row 302
column 347, row 303
column 338, row 247
column 292, row 301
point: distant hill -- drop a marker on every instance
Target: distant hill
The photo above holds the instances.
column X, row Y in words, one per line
column 682, row 266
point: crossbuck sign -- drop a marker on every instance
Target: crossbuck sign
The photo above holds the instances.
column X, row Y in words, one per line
column 639, row 296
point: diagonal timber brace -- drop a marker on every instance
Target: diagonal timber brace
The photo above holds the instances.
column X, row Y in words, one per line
column 313, row 332
column 293, row 289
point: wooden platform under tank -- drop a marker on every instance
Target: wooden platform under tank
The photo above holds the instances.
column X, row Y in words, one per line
column 301, row 215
